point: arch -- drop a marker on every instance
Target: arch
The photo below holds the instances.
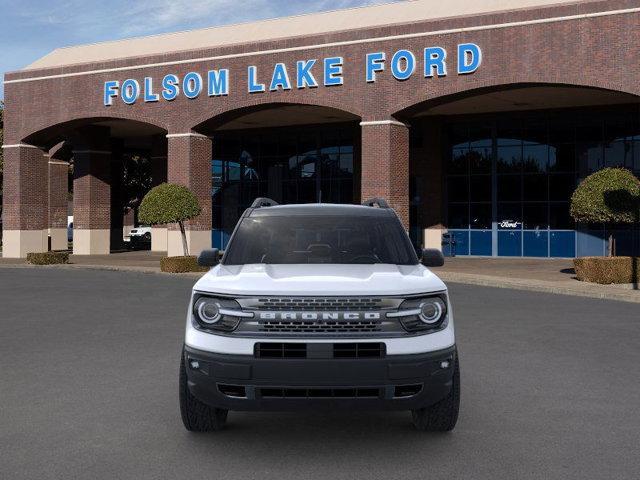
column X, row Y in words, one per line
column 410, row 108
column 212, row 122
column 50, row 135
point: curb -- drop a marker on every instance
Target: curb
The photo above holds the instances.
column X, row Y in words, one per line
column 603, row 292
column 111, row 268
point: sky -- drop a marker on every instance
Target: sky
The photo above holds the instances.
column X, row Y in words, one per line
column 29, row 29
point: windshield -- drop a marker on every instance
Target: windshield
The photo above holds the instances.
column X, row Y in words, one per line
column 320, row 239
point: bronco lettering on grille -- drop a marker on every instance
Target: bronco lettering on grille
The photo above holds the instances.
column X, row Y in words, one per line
column 319, row 316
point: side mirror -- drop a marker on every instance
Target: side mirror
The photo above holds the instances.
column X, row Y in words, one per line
column 432, row 257
column 209, row 258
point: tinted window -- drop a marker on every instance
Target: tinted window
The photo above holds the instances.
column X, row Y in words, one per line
column 320, row 239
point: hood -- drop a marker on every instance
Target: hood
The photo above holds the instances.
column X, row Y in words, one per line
column 319, row 279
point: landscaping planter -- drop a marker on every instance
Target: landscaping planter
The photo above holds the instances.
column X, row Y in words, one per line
column 48, row 258
column 607, row 270
column 181, row 265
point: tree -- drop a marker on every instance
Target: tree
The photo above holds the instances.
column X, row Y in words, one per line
column 611, row 195
column 136, row 181
column 170, row 203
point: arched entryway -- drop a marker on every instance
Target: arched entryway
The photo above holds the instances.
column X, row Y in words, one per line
column 92, row 172
column 288, row 152
column 495, row 168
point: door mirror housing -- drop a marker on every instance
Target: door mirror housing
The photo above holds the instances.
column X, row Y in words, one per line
column 209, row 258
column 432, row 257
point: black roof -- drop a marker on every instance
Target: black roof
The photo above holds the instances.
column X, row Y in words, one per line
column 329, row 209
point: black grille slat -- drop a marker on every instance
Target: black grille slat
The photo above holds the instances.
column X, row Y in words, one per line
column 358, row 350
column 320, row 303
column 335, row 350
column 281, row 350
column 320, row 392
column 320, row 326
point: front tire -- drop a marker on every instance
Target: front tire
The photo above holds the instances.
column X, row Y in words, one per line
column 443, row 415
column 198, row 416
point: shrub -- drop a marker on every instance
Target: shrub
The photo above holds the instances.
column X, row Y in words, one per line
column 181, row 264
column 611, row 195
column 48, row 258
column 169, row 203
column 606, row 270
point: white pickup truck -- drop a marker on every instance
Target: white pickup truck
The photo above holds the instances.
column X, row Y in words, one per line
column 319, row 306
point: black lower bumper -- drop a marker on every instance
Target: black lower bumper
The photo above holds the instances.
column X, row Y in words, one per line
column 245, row 383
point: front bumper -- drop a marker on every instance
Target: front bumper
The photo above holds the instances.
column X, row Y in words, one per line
column 246, row 383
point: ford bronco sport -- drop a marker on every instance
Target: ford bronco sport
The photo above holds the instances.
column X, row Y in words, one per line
column 316, row 306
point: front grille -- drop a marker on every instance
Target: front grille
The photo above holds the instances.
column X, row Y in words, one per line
column 320, row 326
column 319, row 316
column 319, row 350
column 320, row 392
column 320, row 303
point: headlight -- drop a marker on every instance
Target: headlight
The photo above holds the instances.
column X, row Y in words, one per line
column 214, row 313
column 208, row 310
column 426, row 313
column 431, row 310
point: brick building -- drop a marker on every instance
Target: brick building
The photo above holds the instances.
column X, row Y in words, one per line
column 472, row 118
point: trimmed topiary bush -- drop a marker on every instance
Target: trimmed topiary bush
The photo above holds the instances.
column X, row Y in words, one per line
column 170, row 203
column 607, row 270
column 181, row 265
column 48, row 258
column 611, row 195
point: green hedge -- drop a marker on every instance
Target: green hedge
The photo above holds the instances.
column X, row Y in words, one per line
column 48, row 258
column 610, row 195
column 181, row 265
column 607, row 270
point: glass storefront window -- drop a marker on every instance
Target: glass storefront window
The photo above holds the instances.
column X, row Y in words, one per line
column 292, row 165
column 509, row 188
column 480, row 216
column 510, row 158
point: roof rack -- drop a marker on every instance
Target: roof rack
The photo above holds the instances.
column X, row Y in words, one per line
column 376, row 201
column 263, row 202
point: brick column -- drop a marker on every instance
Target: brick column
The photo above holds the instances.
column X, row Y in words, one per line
column 58, row 191
column 25, row 211
column 158, row 175
column 385, row 164
column 189, row 164
column 92, row 192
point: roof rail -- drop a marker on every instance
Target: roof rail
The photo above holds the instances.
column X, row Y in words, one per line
column 263, row 202
column 376, row 201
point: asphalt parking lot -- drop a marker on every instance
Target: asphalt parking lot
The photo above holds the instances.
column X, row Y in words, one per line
column 88, row 390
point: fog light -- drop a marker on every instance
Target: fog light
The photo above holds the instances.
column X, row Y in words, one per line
column 194, row 364
column 444, row 364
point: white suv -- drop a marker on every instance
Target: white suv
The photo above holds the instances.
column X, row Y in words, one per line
column 319, row 306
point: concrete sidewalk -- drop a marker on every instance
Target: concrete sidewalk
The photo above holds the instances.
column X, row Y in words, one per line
column 539, row 275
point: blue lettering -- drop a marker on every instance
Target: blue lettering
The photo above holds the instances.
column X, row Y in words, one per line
column 218, row 82
column 192, row 85
column 254, row 87
column 333, row 71
column 110, row 92
column 375, row 63
column 130, row 91
column 434, row 58
column 469, row 58
column 280, row 78
column 170, row 87
column 403, row 64
column 304, row 77
column 149, row 96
